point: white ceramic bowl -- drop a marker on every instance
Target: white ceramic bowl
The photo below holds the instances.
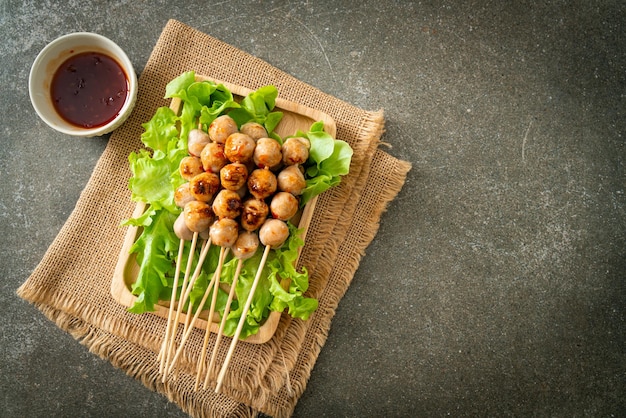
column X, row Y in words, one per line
column 49, row 60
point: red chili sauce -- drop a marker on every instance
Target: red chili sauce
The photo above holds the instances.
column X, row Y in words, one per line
column 89, row 89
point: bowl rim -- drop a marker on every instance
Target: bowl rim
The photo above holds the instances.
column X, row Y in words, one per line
column 110, row 47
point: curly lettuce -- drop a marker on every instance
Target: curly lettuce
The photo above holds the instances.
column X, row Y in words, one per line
column 329, row 160
column 155, row 177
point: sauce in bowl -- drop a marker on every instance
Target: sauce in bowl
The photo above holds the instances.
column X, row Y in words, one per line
column 89, row 89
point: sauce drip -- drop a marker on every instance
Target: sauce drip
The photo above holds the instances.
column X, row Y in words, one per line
column 89, row 89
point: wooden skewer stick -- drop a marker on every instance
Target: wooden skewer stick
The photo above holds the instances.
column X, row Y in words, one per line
column 184, row 296
column 220, row 332
column 185, row 328
column 206, row 336
column 203, row 253
column 242, row 320
column 216, row 286
column 170, row 313
column 170, row 341
column 185, row 290
column 216, row 275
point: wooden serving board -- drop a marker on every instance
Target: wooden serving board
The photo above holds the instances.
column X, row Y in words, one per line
column 295, row 117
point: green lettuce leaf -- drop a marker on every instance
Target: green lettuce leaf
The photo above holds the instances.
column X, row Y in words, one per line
column 160, row 130
column 329, row 160
column 154, row 252
column 155, row 176
column 257, row 107
column 152, row 180
column 282, row 266
column 180, row 83
column 259, row 308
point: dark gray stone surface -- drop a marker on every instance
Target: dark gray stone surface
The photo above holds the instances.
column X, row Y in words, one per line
column 496, row 284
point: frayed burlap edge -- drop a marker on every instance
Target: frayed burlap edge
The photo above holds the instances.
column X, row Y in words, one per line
column 139, row 366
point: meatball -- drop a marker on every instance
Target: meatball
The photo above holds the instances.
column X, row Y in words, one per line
column 253, row 130
column 227, row 204
column 253, row 214
column 180, row 228
column 196, row 141
column 296, row 150
column 234, row 176
column 273, row 233
column 198, row 215
column 204, row 186
column 182, row 195
column 262, row 183
column 291, row 180
column 267, row 153
column 239, row 148
column 221, row 128
column 283, row 206
column 213, row 157
column 246, row 245
column 224, row 232
column 190, row 167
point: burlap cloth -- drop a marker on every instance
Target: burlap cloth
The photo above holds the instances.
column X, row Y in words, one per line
column 71, row 285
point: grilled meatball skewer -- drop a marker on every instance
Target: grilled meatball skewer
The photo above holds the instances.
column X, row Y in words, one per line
column 224, row 233
column 197, row 216
column 245, row 247
column 271, row 235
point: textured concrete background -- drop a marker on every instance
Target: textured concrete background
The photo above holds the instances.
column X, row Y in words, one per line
column 496, row 284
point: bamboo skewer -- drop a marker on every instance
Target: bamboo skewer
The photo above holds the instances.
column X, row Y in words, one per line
column 220, row 332
column 216, row 285
column 184, row 295
column 170, row 313
column 185, row 291
column 242, row 320
column 189, row 329
column 185, row 328
column 171, row 339
column 205, row 343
